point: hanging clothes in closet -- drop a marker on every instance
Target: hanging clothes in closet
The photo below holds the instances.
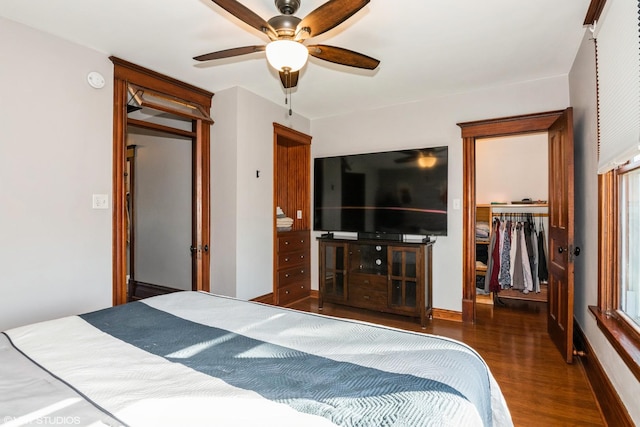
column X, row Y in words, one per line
column 517, row 258
column 543, row 272
column 491, row 283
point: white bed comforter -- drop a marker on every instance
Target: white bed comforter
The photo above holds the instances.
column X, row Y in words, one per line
column 191, row 359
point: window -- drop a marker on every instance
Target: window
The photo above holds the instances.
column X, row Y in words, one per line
column 629, row 203
column 619, row 262
column 618, row 86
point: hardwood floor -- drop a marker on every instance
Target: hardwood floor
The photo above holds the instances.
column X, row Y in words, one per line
column 539, row 387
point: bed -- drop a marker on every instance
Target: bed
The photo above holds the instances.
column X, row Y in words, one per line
column 193, row 358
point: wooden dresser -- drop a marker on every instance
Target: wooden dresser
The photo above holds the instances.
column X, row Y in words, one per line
column 293, row 268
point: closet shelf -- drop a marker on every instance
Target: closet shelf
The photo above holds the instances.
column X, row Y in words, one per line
column 513, row 205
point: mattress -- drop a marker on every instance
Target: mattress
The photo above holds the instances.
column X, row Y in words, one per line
column 193, row 358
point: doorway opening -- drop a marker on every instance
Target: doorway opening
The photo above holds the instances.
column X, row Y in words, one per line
column 159, row 188
column 512, row 218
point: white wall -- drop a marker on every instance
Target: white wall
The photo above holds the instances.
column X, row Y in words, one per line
column 512, row 168
column 224, row 192
column 55, row 152
column 427, row 123
column 582, row 84
column 247, row 143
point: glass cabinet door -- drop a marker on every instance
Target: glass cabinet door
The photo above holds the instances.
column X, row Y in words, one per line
column 334, row 280
column 403, row 292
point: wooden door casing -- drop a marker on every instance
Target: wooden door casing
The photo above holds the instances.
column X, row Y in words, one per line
column 126, row 73
column 508, row 126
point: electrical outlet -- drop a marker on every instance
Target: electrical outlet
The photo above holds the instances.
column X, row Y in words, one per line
column 100, row 201
column 299, row 214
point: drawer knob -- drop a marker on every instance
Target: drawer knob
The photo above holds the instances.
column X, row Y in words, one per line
column 286, row 242
column 366, row 297
column 301, row 256
column 286, row 260
column 286, row 275
column 301, row 271
column 287, row 292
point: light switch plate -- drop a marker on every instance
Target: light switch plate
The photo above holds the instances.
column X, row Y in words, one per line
column 100, row 201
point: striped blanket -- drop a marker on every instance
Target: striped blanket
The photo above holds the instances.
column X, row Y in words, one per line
column 192, row 358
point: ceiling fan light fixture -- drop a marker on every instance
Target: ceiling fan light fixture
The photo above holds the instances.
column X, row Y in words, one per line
column 427, row 161
column 287, row 55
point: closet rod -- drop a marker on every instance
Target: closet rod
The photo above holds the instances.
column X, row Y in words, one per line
column 534, row 214
column 529, row 209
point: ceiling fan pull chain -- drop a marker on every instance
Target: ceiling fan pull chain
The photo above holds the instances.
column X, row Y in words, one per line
column 287, row 96
column 287, row 78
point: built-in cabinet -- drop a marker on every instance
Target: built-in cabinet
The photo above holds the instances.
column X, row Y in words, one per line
column 393, row 277
column 292, row 189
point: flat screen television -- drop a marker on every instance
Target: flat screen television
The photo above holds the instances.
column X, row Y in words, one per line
column 401, row 192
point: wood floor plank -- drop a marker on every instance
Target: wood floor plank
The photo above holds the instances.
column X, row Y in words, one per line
column 539, row 387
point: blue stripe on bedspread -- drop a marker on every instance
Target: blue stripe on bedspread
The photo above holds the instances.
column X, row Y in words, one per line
column 345, row 393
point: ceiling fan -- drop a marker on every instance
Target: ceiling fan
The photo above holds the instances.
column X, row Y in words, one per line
column 426, row 157
column 287, row 31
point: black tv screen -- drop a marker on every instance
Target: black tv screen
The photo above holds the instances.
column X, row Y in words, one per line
column 396, row 192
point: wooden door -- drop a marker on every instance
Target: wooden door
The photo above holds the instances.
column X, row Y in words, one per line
column 561, row 234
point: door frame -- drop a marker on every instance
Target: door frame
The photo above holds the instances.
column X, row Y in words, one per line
column 126, row 73
column 471, row 131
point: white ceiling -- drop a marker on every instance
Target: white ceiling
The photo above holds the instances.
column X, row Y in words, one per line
column 426, row 47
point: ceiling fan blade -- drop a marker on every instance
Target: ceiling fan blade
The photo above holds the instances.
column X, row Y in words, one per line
column 405, row 159
column 338, row 55
column 329, row 15
column 229, row 53
column 289, row 79
column 247, row 16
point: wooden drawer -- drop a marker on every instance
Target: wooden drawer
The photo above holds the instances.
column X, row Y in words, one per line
column 296, row 274
column 364, row 296
column 293, row 292
column 290, row 259
column 377, row 283
column 293, row 241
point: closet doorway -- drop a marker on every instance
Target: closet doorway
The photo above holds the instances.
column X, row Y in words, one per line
column 172, row 108
column 512, row 186
column 561, row 250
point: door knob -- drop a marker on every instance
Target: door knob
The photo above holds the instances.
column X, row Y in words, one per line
column 575, row 251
